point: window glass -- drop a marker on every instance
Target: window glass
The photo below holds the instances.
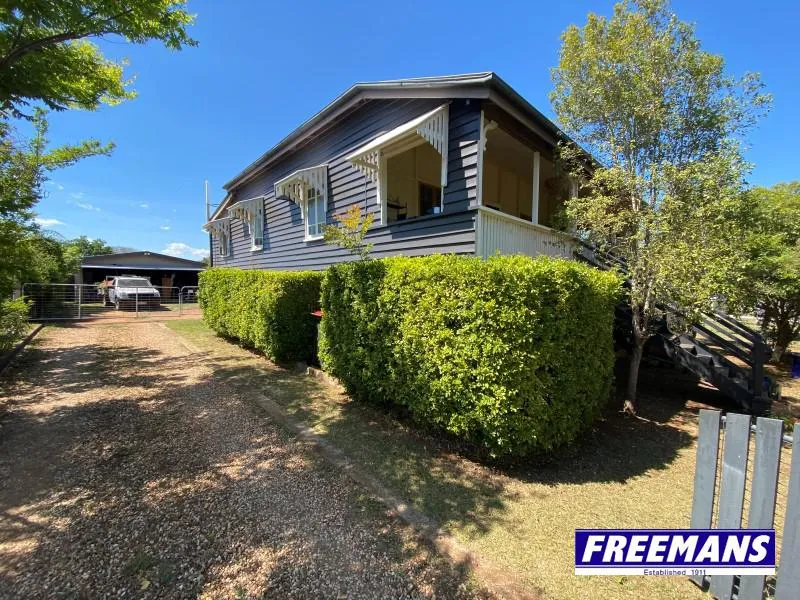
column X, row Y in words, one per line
column 315, row 209
column 133, row 282
column 224, row 244
column 257, row 228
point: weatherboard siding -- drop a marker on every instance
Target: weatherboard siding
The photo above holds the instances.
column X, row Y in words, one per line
column 453, row 231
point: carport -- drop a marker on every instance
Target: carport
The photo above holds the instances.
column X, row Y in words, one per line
column 161, row 269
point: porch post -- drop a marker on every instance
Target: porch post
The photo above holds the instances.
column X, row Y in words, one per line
column 481, row 149
column 535, row 186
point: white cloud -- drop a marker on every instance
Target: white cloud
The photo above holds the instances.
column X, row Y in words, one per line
column 45, row 222
column 78, row 199
column 165, row 228
column 144, row 205
column 86, row 206
column 182, row 250
column 59, row 186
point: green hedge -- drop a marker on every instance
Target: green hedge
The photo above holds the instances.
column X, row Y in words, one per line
column 269, row 311
column 13, row 322
column 512, row 353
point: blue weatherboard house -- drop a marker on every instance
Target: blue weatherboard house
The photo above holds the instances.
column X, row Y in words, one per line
column 457, row 164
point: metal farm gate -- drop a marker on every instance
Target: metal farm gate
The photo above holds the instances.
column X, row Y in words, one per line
column 748, row 476
column 66, row 302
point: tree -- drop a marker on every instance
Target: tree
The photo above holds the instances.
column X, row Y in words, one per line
column 350, row 231
column 665, row 122
column 46, row 54
column 24, row 165
column 48, row 57
column 75, row 250
column 768, row 274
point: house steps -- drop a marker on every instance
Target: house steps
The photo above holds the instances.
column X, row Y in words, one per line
column 715, row 346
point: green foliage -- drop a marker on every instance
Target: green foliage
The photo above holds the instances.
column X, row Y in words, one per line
column 26, row 254
column 512, row 353
column 269, row 311
column 75, row 250
column 46, row 55
column 767, row 274
column 665, row 122
column 13, row 322
column 350, row 231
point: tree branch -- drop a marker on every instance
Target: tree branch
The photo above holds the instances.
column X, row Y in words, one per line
column 59, row 38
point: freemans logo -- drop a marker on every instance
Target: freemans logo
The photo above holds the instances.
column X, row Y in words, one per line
column 675, row 552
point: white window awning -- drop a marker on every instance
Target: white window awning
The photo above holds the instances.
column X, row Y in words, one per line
column 295, row 185
column 432, row 127
column 247, row 210
column 218, row 226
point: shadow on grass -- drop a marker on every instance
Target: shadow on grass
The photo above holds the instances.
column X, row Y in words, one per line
column 454, row 483
column 179, row 487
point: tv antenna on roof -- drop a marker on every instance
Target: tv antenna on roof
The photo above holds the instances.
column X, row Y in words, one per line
column 209, row 205
column 205, row 184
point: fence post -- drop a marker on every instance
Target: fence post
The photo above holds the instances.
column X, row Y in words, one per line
column 758, row 366
column 705, row 475
column 788, row 574
column 136, row 300
column 80, row 300
column 180, row 301
column 731, row 488
column 764, row 490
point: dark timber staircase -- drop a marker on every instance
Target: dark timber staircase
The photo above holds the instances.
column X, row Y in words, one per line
column 716, row 347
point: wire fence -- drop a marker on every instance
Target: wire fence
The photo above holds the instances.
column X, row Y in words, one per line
column 68, row 302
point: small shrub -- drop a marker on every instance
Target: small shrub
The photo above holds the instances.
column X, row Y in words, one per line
column 513, row 353
column 269, row 311
column 13, row 322
column 350, row 232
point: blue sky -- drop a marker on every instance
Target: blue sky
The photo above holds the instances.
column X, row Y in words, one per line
column 262, row 68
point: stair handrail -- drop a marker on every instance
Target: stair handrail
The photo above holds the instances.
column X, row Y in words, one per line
column 759, row 352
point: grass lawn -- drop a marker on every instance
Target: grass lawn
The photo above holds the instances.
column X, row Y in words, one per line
column 626, row 472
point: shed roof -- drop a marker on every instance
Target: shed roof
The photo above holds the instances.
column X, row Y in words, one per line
column 141, row 260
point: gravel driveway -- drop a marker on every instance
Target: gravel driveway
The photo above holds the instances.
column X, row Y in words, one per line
column 127, row 470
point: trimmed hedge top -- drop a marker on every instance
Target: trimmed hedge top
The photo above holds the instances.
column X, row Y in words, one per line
column 269, row 311
column 512, row 353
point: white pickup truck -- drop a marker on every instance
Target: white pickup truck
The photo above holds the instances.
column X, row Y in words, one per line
column 130, row 292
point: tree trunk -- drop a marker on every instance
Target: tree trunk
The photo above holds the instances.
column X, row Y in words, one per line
column 783, row 337
column 629, row 405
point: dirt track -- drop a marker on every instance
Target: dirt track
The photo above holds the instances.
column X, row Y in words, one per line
column 128, row 470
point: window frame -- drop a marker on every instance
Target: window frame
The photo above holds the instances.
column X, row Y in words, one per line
column 224, row 248
column 256, row 224
column 295, row 187
column 318, row 197
column 382, row 188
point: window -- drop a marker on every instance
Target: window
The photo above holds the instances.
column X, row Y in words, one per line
column 309, row 189
column 409, row 166
column 220, row 230
column 133, row 282
column 256, row 228
column 224, row 242
column 251, row 213
column 315, row 213
column 430, row 199
column 412, row 182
